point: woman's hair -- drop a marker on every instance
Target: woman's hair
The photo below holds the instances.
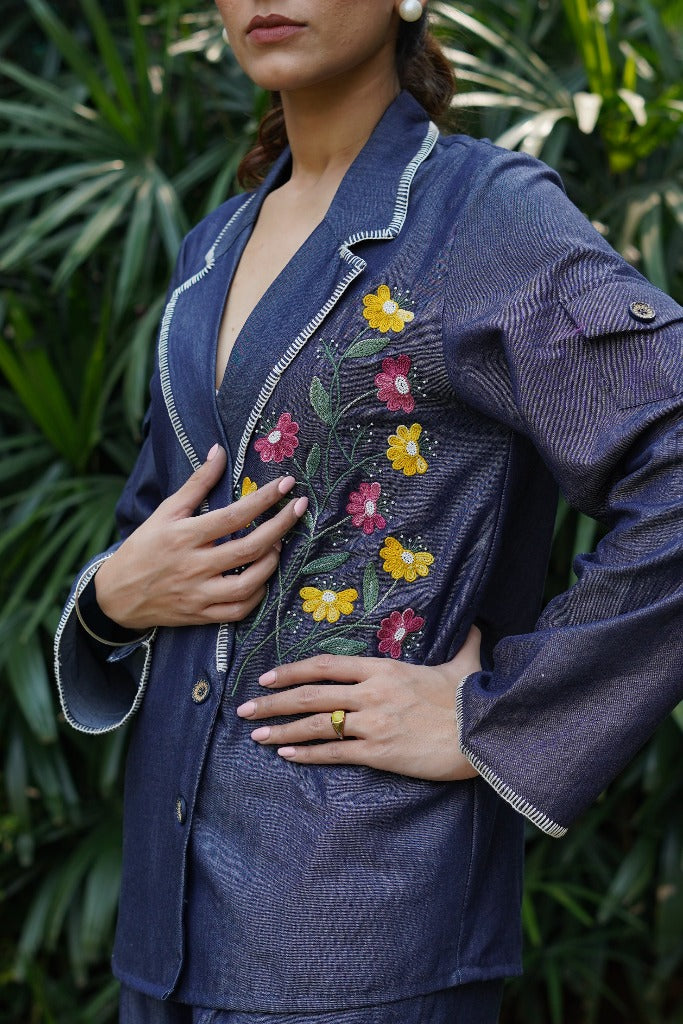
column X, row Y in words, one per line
column 422, row 69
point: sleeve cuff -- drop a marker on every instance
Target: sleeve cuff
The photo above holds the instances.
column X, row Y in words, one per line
column 519, row 803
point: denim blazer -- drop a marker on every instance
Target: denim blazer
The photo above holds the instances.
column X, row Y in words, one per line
column 452, row 342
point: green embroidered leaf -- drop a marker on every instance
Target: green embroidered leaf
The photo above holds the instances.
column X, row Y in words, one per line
column 368, row 347
column 313, row 461
column 320, row 400
column 340, row 645
column 326, row 563
column 307, row 519
column 370, row 587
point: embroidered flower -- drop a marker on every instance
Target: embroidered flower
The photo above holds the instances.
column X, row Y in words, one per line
column 402, row 563
column 394, row 386
column 248, row 486
column 395, row 628
column 404, row 450
column 280, row 443
column 381, row 311
column 328, row 604
column 363, row 508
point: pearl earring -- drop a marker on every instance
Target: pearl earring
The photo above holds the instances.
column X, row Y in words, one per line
column 224, row 34
column 410, row 10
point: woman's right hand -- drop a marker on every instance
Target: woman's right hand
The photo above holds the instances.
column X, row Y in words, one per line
column 170, row 570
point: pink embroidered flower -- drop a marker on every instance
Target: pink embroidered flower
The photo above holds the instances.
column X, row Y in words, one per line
column 280, row 443
column 363, row 508
column 395, row 628
column 394, row 386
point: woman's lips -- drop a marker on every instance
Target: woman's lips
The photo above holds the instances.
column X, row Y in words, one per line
column 272, row 29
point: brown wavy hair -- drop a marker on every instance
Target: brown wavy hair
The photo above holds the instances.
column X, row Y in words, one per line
column 422, row 69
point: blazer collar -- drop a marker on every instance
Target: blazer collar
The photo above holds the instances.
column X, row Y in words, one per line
column 372, row 198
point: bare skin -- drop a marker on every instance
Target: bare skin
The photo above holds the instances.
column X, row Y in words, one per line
column 169, row 572
column 336, row 75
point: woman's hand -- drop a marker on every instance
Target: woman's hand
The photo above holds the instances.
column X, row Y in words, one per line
column 169, row 572
column 400, row 717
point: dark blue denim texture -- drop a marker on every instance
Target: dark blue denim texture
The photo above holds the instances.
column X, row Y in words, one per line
column 531, row 356
column 477, row 1003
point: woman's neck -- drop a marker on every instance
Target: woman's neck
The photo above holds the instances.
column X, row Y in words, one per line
column 327, row 127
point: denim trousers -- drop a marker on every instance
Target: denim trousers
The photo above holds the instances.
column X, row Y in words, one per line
column 475, row 1003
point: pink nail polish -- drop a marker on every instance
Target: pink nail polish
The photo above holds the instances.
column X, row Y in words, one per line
column 286, row 484
column 300, row 506
column 286, row 752
column 247, row 709
column 261, row 734
column 268, row 678
column 212, row 453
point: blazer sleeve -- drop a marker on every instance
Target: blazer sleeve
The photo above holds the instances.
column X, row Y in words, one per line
column 100, row 686
column 578, row 352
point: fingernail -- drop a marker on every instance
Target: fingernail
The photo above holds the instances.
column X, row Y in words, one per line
column 286, row 752
column 268, row 678
column 245, row 710
column 286, row 484
column 300, row 506
column 278, row 545
column 261, row 734
column 212, row 453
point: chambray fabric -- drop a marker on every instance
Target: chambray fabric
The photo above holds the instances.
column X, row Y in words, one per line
column 517, row 352
column 477, row 1003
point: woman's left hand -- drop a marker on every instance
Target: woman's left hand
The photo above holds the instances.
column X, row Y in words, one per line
column 399, row 717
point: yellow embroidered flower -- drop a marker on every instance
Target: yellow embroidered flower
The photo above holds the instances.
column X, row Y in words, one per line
column 248, row 486
column 381, row 311
column 402, row 563
column 404, row 450
column 328, row 604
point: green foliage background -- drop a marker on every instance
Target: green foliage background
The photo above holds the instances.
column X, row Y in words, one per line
column 121, row 124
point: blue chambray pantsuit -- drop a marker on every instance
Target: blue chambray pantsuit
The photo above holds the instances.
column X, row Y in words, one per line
column 453, row 342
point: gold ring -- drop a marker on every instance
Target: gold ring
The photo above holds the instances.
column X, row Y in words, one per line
column 338, row 719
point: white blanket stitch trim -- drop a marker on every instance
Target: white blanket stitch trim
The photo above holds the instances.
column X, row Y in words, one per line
column 521, row 805
column 69, row 610
column 167, row 390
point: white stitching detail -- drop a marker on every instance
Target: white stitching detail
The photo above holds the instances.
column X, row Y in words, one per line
column 222, row 648
column 358, row 264
column 521, row 805
column 164, row 371
column 69, row 610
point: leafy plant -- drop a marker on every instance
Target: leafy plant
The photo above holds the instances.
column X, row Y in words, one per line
column 121, row 125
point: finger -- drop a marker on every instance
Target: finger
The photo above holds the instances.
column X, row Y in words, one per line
column 339, row 667
column 243, row 550
column 189, row 497
column 241, row 586
column 302, row 700
column 314, row 727
column 467, row 657
column 232, row 611
column 223, row 521
column 353, row 752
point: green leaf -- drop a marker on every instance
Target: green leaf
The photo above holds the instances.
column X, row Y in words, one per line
column 313, row 461
column 326, row 563
column 320, row 400
column 32, row 689
column 342, row 645
column 367, row 347
column 370, row 587
column 678, row 715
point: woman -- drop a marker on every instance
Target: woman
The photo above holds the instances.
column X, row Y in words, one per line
column 410, row 337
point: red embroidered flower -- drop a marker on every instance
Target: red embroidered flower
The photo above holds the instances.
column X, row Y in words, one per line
column 280, row 443
column 363, row 508
column 394, row 386
column 395, row 629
